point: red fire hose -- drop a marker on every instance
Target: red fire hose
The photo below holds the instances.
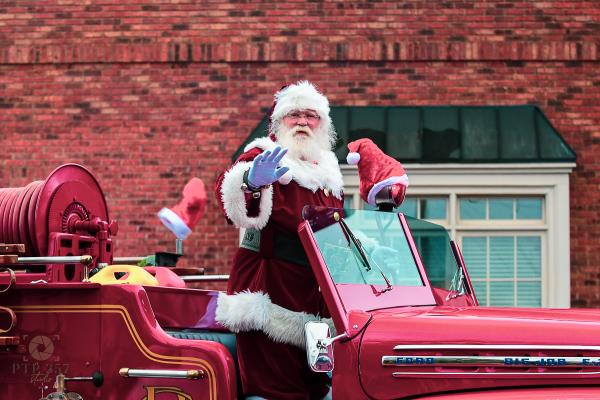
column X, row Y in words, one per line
column 69, row 201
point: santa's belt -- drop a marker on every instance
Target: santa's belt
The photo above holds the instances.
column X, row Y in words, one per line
column 282, row 245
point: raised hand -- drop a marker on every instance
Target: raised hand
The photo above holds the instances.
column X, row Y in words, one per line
column 264, row 170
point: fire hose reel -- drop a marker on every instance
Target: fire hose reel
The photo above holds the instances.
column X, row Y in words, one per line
column 64, row 215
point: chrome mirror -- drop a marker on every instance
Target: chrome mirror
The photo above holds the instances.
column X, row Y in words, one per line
column 319, row 348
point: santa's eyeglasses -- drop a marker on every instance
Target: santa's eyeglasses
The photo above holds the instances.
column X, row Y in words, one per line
column 309, row 116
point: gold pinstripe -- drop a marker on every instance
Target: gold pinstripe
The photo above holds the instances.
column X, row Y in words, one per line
column 118, row 309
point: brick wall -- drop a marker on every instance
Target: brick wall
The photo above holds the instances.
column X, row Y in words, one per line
column 148, row 94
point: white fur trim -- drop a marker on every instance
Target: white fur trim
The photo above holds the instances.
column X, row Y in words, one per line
column 300, row 96
column 242, row 312
column 389, row 181
column 286, row 326
column 285, row 179
column 252, row 311
column 325, row 175
column 353, row 158
column 174, row 223
column 234, row 200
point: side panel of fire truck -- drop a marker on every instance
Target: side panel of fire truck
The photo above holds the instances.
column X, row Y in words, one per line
column 107, row 333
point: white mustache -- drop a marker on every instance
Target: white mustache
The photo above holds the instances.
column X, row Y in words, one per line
column 298, row 128
column 307, row 147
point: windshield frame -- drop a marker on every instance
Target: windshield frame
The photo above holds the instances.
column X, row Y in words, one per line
column 365, row 297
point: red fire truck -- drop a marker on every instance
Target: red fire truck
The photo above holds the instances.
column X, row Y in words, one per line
column 406, row 317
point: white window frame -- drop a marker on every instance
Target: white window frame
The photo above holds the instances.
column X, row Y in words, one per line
column 547, row 180
column 515, row 279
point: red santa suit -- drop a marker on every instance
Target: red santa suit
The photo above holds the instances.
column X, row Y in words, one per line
column 272, row 290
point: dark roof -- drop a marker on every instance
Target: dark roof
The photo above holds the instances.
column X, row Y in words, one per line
column 448, row 134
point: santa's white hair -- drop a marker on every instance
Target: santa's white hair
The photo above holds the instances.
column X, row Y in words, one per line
column 302, row 95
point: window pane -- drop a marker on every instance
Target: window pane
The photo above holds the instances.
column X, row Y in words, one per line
column 481, row 292
column 433, row 208
column 502, row 294
column 475, row 255
column 472, row 208
column 434, row 252
column 501, row 208
column 529, row 264
column 409, row 207
column 502, row 257
column 529, row 294
column 529, row 208
column 348, row 201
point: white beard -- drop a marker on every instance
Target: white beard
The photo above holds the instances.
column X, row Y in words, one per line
column 303, row 147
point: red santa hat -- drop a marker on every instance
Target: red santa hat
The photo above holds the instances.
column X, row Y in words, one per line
column 376, row 169
column 302, row 95
column 182, row 218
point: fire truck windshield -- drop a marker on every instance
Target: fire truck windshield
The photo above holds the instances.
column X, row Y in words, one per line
column 375, row 251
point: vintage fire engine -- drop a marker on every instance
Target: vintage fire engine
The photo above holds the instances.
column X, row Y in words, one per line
column 407, row 320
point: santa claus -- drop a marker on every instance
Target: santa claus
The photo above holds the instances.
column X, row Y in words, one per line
column 272, row 291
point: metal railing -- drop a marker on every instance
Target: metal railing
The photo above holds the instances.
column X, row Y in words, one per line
column 205, row 278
